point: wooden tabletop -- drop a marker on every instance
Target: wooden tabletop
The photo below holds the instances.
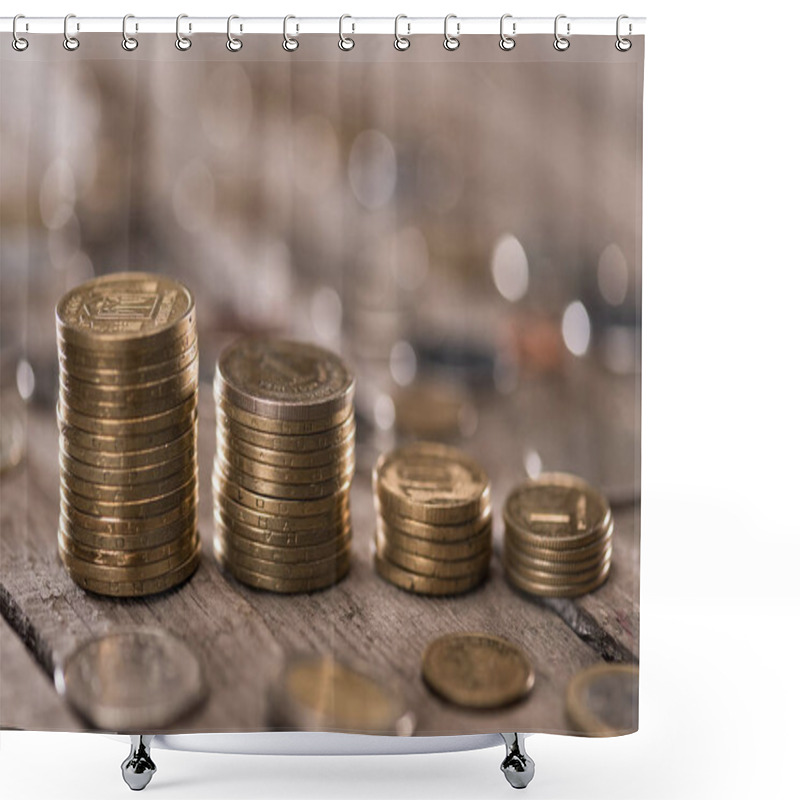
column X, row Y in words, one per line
column 586, row 424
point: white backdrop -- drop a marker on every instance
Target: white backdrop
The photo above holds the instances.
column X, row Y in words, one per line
column 720, row 554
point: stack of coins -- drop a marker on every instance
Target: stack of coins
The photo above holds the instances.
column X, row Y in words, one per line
column 127, row 412
column 558, row 536
column 434, row 529
column 284, row 463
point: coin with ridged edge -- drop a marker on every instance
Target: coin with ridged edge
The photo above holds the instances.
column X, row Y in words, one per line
column 433, row 567
column 323, row 457
column 432, row 483
column 289, row 538
column 132, row 681
column 264, row 523
column 424, row 584
column 565, row 589
column 287, row 442
column 477, row 670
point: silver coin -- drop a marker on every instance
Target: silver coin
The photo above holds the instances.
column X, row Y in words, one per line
column 132, row 681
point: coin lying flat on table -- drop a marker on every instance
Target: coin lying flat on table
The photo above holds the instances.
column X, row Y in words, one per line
column 132, row 682
column 319, row 693
column 603, row 700
column 477, row 670
column 558, row 536
column 433, row 533
column 284, row 462
column 127, row 414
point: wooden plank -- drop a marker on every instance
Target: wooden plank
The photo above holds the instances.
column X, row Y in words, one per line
column 244, row 635
column 28, row 698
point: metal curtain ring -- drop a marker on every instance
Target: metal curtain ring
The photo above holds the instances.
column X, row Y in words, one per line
column 401, row 42
column 507, row 42
column 561, row 43
column 182, row 42
column 290, row 43
column 70, row 42
column 623, row 45
column 233, row 44
column 129, row 43
column 17, row 42
column 345, row 42
column 451, row 42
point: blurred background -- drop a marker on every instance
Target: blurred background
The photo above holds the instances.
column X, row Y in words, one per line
column 465, row 232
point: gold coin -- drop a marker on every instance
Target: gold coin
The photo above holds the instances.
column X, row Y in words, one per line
column 108, row 477
column 183, row 446
column 547, row 577
column 431, row 567
column 79, row 359
column 287, row 443
column 127, row 443
column 295, row 475
column 435, row 533
column 129, row 494
column 423, row 584
column 139, row 588
column 318, row 693
column 283, row 427
column 284, row 554
column 142, row 401
column 137, row 509
column 557, row 511
column 276, row 506
column 477, row 670
column 286, row 491
column 526, row 562
column 121, row 377
column 88, row 569
column 522, row 544
column 284, row 585
column 125, row 526
column 292, row 571
column 301, row 538
column 284, row 380
column 129, row 541
column 135, row 426
column 603, row 700
column 549, row 590
column 448, row 551
column 125, row 309
column 180, row 547
column 265, row 524
column 230, row 444
column 431, row 483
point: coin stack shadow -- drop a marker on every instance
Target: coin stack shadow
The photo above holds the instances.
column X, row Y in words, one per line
column 434, row 524
column 558, row 536
column 127, row 415
column 284, row 463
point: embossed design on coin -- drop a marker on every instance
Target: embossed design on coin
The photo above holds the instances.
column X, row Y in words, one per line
column 477, row 670
column 132, row 681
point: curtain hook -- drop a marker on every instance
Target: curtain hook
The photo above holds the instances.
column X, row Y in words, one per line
column 290, row 43
column 623, row 45
column 401, row 42
column 70, row 42
column 345, row 42
column 17, row 42
column 129, row 43
column 561, row 43
column 233, row 44
column 182, row 42
column 507, row 42
column 451, row 42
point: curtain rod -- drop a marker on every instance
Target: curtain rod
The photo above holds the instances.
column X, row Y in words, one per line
column 297, row 26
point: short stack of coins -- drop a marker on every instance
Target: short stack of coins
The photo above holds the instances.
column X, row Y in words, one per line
column 127, row 414
column 284, row 463
column 558, row 532
column 434, row 528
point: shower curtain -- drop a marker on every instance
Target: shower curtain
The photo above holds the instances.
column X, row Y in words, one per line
column 459, row 230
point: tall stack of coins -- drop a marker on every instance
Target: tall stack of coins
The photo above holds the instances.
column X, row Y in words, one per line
column 127, row 414
column 284, row 463
column 434, row 529
column 558, row 536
